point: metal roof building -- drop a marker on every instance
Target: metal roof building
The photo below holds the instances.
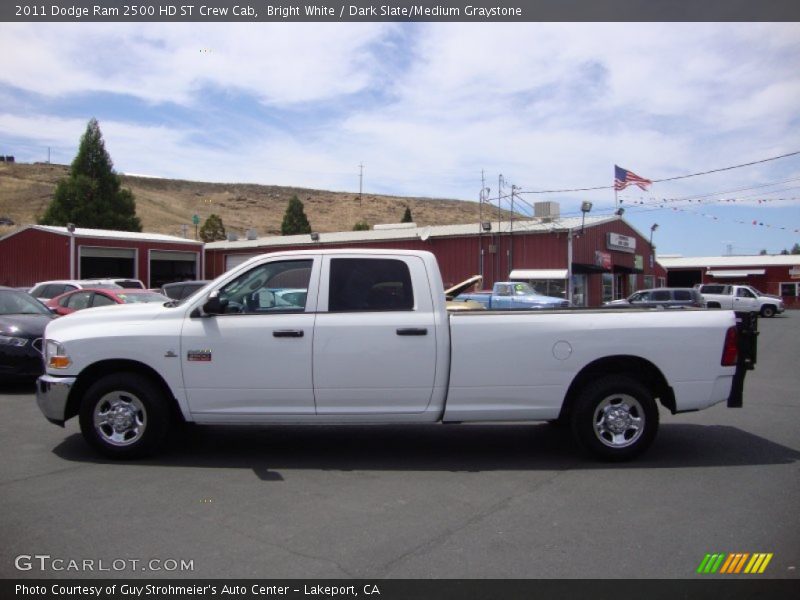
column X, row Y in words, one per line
column 772, row 274
column 603, row 257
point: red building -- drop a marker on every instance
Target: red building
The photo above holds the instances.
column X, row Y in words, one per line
column 777, row 275
column 604, row 257
column 41, row 253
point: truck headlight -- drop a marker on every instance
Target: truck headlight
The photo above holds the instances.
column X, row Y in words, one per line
column 55, row 356
column 16, row 342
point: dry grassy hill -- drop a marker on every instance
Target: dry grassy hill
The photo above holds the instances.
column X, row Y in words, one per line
column 164, row 204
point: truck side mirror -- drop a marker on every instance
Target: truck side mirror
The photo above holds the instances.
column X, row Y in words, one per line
column 213, row 305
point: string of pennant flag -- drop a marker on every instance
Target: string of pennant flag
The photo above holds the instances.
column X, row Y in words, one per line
column 624, row 178
column 752, row 222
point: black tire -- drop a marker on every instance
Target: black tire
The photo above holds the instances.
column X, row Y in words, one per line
column 768, row 311
column 133, row 416
column 615, row 418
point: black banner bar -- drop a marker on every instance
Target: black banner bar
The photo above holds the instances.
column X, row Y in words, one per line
column 402, row 589
column 400, row 10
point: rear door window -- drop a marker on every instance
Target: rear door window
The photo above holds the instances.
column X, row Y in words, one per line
column 660, row 295
column 369, row 284
column 683, row 295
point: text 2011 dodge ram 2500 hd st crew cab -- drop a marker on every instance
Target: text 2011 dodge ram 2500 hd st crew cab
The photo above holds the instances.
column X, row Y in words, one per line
column 363, row 336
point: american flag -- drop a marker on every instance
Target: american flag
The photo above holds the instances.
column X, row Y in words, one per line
column 623, row 178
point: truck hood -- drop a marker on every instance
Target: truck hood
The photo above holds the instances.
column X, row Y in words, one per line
column 107, row 315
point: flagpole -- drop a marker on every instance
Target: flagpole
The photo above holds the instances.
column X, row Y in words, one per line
column 616, row 201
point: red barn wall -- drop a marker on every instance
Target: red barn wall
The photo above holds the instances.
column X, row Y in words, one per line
column 31, row 256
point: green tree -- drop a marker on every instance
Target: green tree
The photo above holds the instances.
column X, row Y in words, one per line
column 92, row 195
column 796, row 248
column 763, row 253
column 361, row 226
column 212, row 229
column 294, row 219
column 407, row 218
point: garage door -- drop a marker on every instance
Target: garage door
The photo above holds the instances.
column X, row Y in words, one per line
column 234, row 260
column 96, row 262
column 167, row 266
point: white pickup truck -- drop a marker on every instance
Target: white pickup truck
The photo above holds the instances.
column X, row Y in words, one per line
column 364, row 336
column 740, row 298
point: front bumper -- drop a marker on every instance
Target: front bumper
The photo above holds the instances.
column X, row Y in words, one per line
column 51, row 396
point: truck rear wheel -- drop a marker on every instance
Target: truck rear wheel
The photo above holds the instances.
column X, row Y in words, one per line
column 615, row 418
column 124, row 415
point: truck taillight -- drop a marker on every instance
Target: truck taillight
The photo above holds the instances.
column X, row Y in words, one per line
column 730, row 351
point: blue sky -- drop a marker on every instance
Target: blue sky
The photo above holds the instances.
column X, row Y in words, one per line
column 427, row 107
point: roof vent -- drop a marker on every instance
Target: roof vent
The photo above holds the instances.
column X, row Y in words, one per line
column 251, row 234
column 232, row 237
column 546, row 211
column 386, row 226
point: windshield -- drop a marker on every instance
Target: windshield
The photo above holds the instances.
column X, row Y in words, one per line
column 20, row 303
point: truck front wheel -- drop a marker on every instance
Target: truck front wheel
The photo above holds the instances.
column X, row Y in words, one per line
column 767, row 311
column 615, row 418
column 124, row 415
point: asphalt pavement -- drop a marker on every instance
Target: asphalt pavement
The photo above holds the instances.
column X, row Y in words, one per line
column 474, row 501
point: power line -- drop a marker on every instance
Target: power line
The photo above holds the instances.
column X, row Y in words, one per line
column 750, row 164
column 608, row 187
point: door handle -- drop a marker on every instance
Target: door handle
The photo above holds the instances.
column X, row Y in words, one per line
column 287, row 333
column 412, row 331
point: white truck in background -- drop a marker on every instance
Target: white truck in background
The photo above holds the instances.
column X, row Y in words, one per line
column 743, row 298
column 364, row 336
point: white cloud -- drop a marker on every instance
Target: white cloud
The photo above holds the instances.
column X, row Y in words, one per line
column 280, row 64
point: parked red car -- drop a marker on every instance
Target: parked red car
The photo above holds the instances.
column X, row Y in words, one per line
column 89, row 298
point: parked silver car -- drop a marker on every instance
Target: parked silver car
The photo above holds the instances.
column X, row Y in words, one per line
column 662, row 297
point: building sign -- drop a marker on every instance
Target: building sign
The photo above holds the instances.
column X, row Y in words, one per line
column 638, row 262
column 794, row 273
column 602, row 259
column 621, row 243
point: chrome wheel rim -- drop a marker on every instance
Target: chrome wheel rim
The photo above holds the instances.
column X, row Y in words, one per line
column 120, row 418
column 619, row 421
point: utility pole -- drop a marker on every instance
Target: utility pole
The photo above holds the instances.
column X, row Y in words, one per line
column 360, row 184
column 514, row 188
column 483, row 197
column 500, row 182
